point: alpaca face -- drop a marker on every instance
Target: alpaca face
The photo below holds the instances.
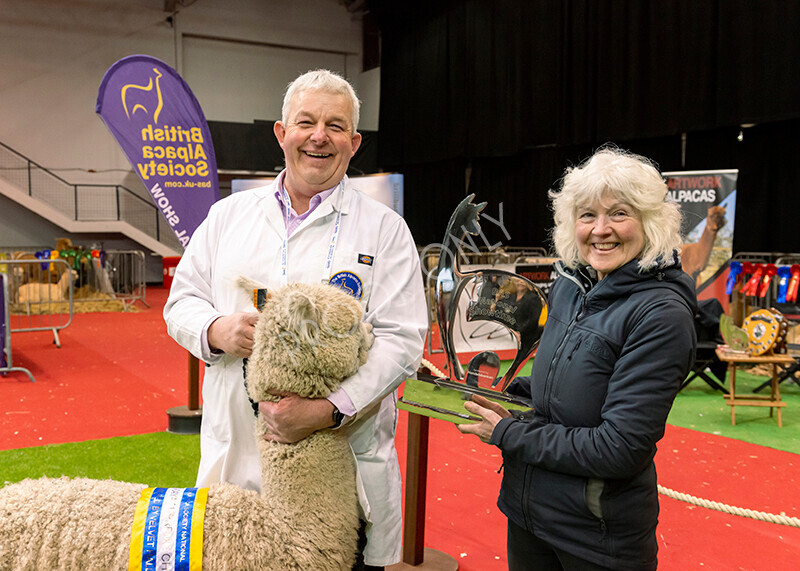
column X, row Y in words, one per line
column 309, row 338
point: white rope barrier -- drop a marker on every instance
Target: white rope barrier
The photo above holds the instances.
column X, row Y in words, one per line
column 781, row 519
column 432, row 368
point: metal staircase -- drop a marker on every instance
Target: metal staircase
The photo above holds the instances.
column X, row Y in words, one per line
column 85, row 208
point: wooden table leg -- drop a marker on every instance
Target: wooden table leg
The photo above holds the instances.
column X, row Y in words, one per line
column 776, row 394
column 772, row 390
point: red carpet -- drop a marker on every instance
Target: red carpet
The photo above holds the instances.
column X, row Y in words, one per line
column 117, row 374
column 735, row 473
column 463, row 519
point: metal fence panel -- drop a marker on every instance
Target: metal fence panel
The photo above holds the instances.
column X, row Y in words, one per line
column 40, row 295
column 6, row 357
column 126, row 270
column 113, row 275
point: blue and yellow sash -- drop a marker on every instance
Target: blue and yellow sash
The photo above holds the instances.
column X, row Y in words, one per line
column 168, row 530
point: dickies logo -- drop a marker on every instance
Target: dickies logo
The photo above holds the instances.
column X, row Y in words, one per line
column 365, row 259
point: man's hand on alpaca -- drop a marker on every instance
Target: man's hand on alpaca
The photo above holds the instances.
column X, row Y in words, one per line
column 293, row 418
column 233, row 333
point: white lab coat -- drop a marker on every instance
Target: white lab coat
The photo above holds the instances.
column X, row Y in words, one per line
column 243, row 235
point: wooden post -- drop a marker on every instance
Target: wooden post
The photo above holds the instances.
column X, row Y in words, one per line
column 416, row 485
column 187, row 419
column 415, row 554
column 194, row 382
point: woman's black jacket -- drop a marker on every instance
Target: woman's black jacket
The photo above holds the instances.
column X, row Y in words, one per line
column 580, row 474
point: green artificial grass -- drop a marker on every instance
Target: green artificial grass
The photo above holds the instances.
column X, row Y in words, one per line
column 159, row 459
column 171, row 460
column 701, row 408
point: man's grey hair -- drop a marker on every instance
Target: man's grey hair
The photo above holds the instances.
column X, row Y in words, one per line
column 327, row 82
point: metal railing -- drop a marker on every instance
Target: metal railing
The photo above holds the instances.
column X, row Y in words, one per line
column 745, row 304
column 126, row 271
column 84, row 202
column 114, row 275
column 6, row 356
column 39, row 295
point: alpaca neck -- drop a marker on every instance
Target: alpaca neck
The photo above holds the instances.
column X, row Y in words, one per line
column 323, row 462
column 312, row 485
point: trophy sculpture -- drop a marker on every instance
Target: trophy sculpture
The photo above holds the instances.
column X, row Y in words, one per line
column 497, row 296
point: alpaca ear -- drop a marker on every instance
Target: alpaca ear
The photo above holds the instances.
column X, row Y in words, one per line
column 257, row 292
column 304, row 318
column 248, row 284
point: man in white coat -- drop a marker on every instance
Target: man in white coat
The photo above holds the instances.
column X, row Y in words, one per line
column 309, row 225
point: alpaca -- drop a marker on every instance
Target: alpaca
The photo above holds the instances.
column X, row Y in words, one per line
column 308, row 339
column 46, row 292
column 24, row 272
column 694, row 257
column 30, row 272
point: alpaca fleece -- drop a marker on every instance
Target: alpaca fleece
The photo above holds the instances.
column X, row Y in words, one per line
column 35, row 292
column 308, row 339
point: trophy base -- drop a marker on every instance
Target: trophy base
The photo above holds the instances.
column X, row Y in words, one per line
column 444, row 399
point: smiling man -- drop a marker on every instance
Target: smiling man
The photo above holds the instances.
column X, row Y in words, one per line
column 318, row 139
column 309, row 225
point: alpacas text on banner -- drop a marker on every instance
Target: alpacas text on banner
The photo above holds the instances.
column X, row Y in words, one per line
column 708, row 203
column 168, row 530
column 160, row 126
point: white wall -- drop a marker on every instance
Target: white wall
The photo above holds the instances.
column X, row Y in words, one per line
column 236, row 55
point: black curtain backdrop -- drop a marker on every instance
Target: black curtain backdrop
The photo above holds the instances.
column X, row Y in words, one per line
column 769, row 189
column 498, row 98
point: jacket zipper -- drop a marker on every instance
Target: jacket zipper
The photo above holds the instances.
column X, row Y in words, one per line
column 548, row 385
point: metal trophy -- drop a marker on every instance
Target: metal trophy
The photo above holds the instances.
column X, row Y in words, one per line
column 496, row 296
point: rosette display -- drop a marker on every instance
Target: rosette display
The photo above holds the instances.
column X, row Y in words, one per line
column 733, row 276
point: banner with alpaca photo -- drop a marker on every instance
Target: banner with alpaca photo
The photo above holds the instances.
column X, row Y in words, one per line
column 708, row 202
column 160, row 126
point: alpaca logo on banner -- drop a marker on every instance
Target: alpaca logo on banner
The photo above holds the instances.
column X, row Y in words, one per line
column 161, row 128
column 145, row 88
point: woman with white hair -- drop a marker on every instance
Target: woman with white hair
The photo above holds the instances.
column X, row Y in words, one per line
column 579, row 483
